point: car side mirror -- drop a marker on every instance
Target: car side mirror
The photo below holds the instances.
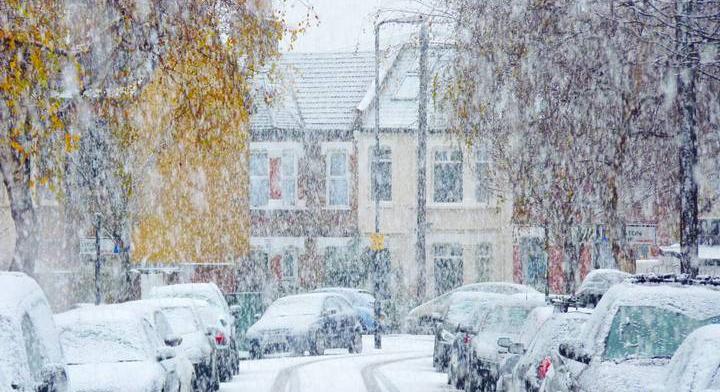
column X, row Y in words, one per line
column 574, row 351
column 173, row 340
column 517, row 349
column 164, row 353
column 504, row 342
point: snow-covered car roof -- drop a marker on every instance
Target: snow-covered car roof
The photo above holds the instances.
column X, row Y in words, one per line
column 308, row 301
column 205, row 291
column 500, row 288
column 696, row 362
column 16, row 286
column 356, row 297
column 535, row 320
column 103, row 334
column 694, row 301
column 598, row 281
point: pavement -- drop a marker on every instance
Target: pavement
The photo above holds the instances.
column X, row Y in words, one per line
column 403, row 364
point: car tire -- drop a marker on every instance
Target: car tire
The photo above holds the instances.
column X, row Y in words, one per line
column 356, row 344
column 488, row 385
column 255, row 351
column 317, row 345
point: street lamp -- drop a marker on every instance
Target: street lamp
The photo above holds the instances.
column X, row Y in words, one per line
column 422, row 147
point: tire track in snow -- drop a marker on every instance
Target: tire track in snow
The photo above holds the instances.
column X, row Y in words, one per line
column 376, row 381
column 287, row 380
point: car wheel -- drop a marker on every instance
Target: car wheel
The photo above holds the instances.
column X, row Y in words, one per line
column 255, row 351
column 488, row 385
column 317, row 346
column 471, row 383
column 356, row 345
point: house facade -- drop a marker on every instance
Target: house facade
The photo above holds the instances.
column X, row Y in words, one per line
column 303, row 165
column 468, row 232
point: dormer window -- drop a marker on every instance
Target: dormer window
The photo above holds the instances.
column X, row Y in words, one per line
column 409, row 87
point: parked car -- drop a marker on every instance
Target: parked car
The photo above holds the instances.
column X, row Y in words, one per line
column 154, row 315
column 459, row 312
column 108, row 349
column 532, row 366
column 696, row 363
column 210, row 293
column 361, row 300
column 459, row 351
column 419, row 320
column 227, row 355
column 497, row 330
column 306, row 322
column 31, row 358
column 596, row 284
column 197, row 340
column 515, row 348
column 633, row 332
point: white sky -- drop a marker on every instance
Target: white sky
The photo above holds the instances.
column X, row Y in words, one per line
column 344, row 25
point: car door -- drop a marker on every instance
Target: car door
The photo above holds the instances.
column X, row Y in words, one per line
column 168, row 363
column 330, row 320
column 348, row 318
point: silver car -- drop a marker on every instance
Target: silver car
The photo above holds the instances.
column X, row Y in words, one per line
column 628, row 341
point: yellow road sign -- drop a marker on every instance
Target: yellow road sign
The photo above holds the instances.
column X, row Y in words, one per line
column 377, row 241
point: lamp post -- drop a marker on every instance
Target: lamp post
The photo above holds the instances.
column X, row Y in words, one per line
column 422, row 128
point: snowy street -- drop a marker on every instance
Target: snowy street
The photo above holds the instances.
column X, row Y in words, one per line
column 404, row 364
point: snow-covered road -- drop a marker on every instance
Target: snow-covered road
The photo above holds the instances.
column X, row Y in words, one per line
column 404, row 364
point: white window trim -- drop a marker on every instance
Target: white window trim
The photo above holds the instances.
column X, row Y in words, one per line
column 371, row 150
column 348, row 180
column 476, row 181
column 431, row 184
column 276, row 150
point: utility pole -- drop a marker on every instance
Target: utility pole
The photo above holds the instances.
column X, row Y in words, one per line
column 420, row 251
column 98, row 222
column 376, row 184
column 378, row 252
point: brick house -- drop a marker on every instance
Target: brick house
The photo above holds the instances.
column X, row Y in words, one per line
column 303, row 172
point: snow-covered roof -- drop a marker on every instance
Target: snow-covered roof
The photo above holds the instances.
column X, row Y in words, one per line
column 704, row 251
column 317, row 91
column 600, row 280
column 205, row 291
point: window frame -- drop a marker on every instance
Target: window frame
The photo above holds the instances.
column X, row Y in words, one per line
column 404, row 97
column 383, row 159
column 446, row 162
column 280, row 153
column 329, row 177
column 481, row 156
column 265, row 176
column 483, row 250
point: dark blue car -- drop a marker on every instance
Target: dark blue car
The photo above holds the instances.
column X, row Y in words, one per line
column 361, row 300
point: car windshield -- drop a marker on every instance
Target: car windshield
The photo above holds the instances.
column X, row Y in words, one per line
column 645, row 332
column 505, row 319
column 181, row 319
column 364, row 300
column 106, row 343
column 461, row 312
column 295, row 306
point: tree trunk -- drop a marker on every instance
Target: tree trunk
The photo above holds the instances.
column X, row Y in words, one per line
column 16, row 178
column 687, row 58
